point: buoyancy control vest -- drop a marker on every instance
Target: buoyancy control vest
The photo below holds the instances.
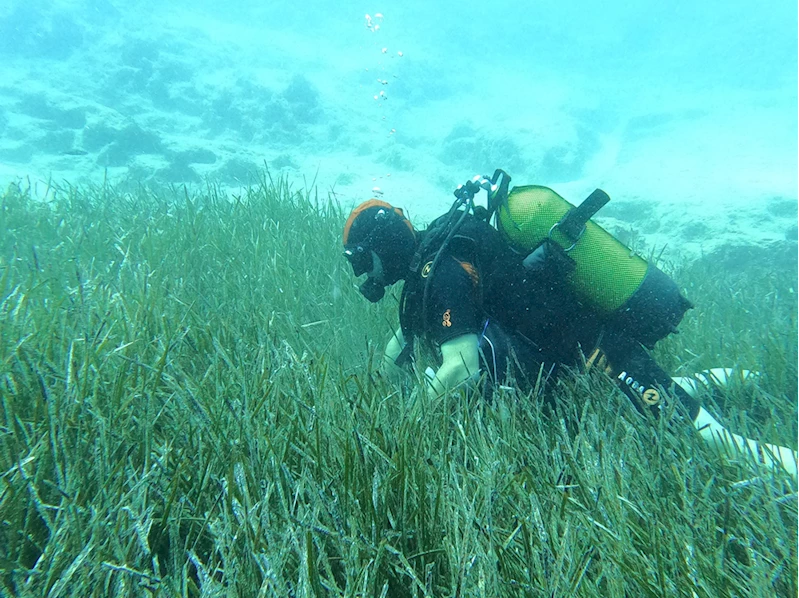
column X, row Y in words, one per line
column 475, row 242
column 553, row 240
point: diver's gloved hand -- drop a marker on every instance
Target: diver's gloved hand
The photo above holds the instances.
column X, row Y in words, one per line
column 714, row 376
column 392, row 371
column 734, row 445
column 392, row 352
column 460, row 363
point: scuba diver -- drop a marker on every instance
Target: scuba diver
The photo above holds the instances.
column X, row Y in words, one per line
column 514, row 292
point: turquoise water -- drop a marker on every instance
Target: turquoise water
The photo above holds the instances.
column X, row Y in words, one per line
column 188, row 397
column 693, row 103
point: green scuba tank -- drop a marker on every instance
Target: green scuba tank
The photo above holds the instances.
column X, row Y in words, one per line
column 638, row 297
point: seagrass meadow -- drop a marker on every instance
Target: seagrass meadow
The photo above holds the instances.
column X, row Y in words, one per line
column 191, row 406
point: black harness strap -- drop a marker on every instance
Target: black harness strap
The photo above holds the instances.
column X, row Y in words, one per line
column 573, row 223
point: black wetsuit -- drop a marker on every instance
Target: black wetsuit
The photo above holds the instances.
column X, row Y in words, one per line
column 528, row 324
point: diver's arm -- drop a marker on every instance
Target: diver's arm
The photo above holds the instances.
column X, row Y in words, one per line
column 460, row 361
column 639, row 367
column 734, row 445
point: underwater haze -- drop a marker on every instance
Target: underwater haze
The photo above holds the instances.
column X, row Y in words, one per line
column 684, row 112
column 190, row 397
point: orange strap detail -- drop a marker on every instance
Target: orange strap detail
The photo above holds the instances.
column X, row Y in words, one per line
column 471, row 271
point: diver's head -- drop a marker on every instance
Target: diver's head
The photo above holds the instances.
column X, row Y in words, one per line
column 379, row 241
